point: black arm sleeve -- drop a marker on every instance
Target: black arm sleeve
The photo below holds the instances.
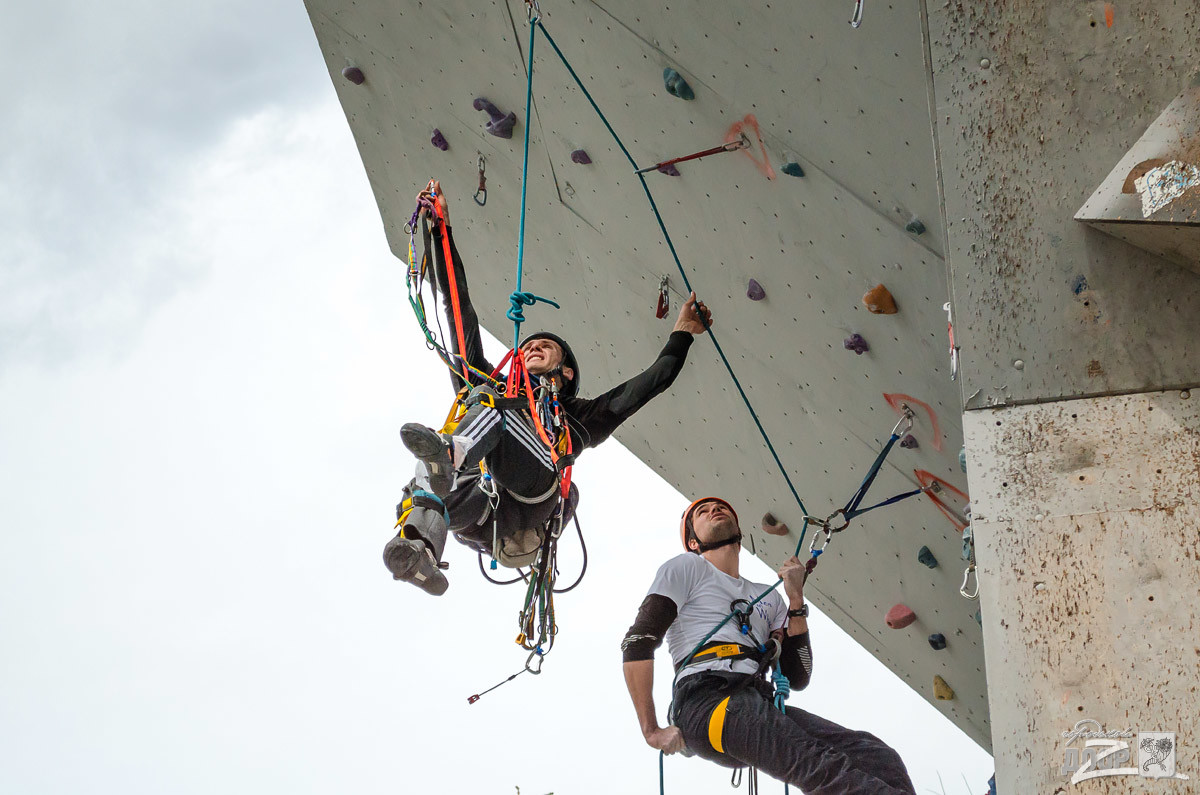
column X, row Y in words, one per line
column 600, row 416
column 646, row 635
column 470, row 320
column 795, row 661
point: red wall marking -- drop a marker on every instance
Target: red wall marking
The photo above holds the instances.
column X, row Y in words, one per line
column 926, row 478
column 1110, row 13
column 897, row 400
column 749, row 126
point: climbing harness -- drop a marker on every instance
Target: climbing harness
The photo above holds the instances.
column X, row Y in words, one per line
column 857, row 20
column 481, row 191
column 733, row 146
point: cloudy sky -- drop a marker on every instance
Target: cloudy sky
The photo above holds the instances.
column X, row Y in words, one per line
column 205, row 355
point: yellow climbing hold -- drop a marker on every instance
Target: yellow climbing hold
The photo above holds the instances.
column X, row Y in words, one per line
column 941, row 690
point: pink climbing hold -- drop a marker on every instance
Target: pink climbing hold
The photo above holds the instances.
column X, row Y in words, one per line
column 909, row 442
column 669, row 170
column 354, row 75
column 900, row 616
column 755, row 291
column 581, row 157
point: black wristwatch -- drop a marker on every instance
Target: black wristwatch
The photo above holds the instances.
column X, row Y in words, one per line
column 801, row 613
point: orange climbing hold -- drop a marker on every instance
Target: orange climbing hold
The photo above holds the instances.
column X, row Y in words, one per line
column 879, row 301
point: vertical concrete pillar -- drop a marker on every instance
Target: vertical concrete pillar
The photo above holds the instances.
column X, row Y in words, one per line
column 1088, row 544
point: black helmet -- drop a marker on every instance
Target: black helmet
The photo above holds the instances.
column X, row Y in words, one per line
column 570, row 387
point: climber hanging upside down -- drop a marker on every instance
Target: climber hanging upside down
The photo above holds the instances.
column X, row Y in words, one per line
column 492, row 480
column 722, row 705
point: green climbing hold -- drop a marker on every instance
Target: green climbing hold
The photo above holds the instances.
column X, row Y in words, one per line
column 676, row 85
column 915, row 227
column 792, row 170
column 925, row 556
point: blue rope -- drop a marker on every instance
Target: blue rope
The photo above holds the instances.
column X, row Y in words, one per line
column 515, row 314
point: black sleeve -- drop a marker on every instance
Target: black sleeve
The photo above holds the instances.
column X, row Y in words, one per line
column 600, row 416
column 470, row 320
column 646, row 635
column 795, row 661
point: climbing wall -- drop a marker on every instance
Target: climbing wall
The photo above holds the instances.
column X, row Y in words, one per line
column 849, row 109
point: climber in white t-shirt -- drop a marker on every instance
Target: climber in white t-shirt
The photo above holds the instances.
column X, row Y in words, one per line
column 722, row 707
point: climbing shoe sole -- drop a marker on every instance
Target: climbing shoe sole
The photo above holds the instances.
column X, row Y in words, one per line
column 428, row 446
column 411, row 561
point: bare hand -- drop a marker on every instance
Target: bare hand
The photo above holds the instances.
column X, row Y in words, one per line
column 689, row 317
column 793, row 575
column 669, row 740
column 433, row 193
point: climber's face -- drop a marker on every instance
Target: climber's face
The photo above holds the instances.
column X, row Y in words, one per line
column 713, row 521
column 543, row 356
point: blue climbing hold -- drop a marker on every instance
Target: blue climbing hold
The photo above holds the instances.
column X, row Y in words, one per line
column 968, row 541
column 792, row 169
column 962, row 460
column 915, row 227
column 937, row 641
column 926, row 558
column 439, row 140
column 676, row 85
column 856, row 343
column 755, row 291
column 581, row 157
column 979, row 617
column 909, row 442
column 992, row 785
column 499, row 124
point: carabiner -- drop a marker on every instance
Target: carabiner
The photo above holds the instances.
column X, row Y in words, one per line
column 482, row 189
column 968, row 574
column 901, row 428
column 829, row 528
column 823, row 533
column 540, row 656
column 857, row 20
column 664, row 300
column 533, row 12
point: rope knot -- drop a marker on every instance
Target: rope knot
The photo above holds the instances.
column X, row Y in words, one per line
column 520, row 299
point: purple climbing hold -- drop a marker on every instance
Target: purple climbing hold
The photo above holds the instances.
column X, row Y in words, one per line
column 669, row 170
column 354, row 75
column 500, row 124
column 581, row 157
column 439, row 140
column 755, row 291
column 856, row 343
column 909, row 442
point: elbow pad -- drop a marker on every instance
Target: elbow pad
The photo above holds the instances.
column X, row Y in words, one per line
column 649, row 628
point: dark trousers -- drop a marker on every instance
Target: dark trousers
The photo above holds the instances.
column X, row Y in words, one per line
column 818, row 756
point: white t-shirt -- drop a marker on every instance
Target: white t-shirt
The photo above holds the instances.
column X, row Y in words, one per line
column 703, row 593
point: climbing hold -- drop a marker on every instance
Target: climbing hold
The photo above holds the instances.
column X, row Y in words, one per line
column 909, row 442
column 773, row 526
column 670, row 170
column 755, row 291
column 879, row 301
column 581, row 157
column 856, row 343
column 925, row 556
column 941, row 690
column 979, row 617
column 915, row 227
column 792, row 169
column 937, row 641
column 968, row 543
column 354, row 75
column 500, row 124
column 676, row 85
column 962, row 459
column 900, row 616
column 439, row 140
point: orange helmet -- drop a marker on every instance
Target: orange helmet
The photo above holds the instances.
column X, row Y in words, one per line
column 685, row 521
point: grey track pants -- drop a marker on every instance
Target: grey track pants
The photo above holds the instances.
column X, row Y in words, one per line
column 817, row 755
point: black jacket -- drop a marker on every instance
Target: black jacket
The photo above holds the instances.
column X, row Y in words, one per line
column 591, row 420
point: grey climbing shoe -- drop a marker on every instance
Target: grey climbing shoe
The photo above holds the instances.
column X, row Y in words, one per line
column 427, row 445
column 411, row 561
